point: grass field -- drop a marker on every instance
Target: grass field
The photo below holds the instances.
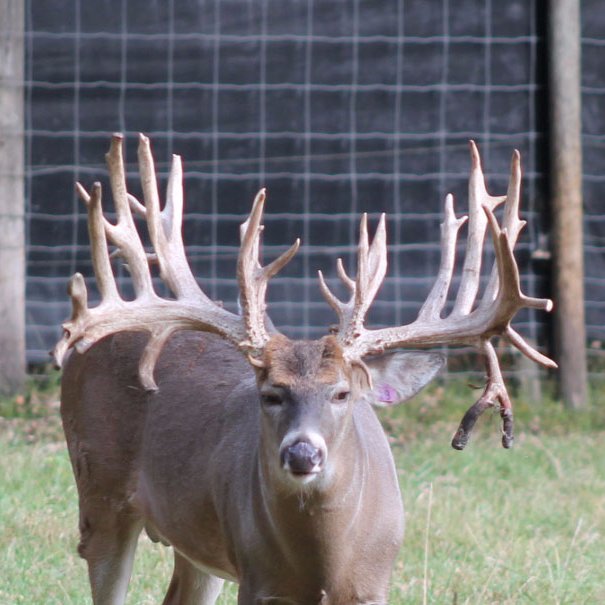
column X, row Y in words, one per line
column 484, row 526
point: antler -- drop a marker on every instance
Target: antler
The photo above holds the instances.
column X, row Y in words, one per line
column 471, row 321
column 253, row 278
column 190, row 309
column 371, row 269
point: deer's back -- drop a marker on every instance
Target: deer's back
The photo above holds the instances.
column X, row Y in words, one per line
column 110, row 421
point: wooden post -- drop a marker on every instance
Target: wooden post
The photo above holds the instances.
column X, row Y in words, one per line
column 566, row 200
column 12, row 232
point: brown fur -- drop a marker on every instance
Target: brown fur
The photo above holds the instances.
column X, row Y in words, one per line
column 288, row 362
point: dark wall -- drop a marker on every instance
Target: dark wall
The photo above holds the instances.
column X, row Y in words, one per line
column 337, row 108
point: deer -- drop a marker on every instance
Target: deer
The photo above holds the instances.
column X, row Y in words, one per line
column 260, row 459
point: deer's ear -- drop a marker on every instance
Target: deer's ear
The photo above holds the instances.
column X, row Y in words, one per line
column 361, row 378
column 398, row 376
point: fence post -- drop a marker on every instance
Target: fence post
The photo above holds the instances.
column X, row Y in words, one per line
column 566, row 197
column 12, row 227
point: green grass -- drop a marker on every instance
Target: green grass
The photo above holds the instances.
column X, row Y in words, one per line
column 520, row 526
column 484, row 526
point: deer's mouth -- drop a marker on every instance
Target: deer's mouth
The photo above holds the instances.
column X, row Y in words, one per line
column 299, row 480
column 303, row 474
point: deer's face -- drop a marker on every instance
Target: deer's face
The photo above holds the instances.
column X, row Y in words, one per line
column 307, row 392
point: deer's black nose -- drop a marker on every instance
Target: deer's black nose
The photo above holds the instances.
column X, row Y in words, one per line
column 302, row 458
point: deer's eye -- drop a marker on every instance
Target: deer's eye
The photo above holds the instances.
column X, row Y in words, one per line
column 271, row 398
column 341, row 396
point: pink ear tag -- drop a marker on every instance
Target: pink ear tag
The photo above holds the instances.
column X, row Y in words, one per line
column 386, row 393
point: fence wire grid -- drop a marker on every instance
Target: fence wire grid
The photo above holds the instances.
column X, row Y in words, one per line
column 338, row 108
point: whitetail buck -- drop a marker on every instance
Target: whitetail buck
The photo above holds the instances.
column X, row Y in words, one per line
column 258, row 458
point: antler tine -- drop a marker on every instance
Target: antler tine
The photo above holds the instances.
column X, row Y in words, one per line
column 449, row 235
column 124, row 234
column 339, row 307
column 509, row 298
column 510, row 222
column 348, row 282
column 477, row 224
column 137, row 207
column 97, row 228
column 521, row 344
column 76, row 290
column 252, row 289
column 362, row 261
column 253, row 277
column 494, row 394
column 371, row 269
column 165, row 226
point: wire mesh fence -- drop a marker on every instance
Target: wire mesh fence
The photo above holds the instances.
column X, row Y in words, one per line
column 337, row 108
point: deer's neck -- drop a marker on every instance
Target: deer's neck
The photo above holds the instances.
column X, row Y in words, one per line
column 316, row 532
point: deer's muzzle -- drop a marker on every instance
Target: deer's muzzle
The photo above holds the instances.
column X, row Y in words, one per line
column 302, row 458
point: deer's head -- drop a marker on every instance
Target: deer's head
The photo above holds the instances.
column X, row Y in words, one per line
column 307, row 392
